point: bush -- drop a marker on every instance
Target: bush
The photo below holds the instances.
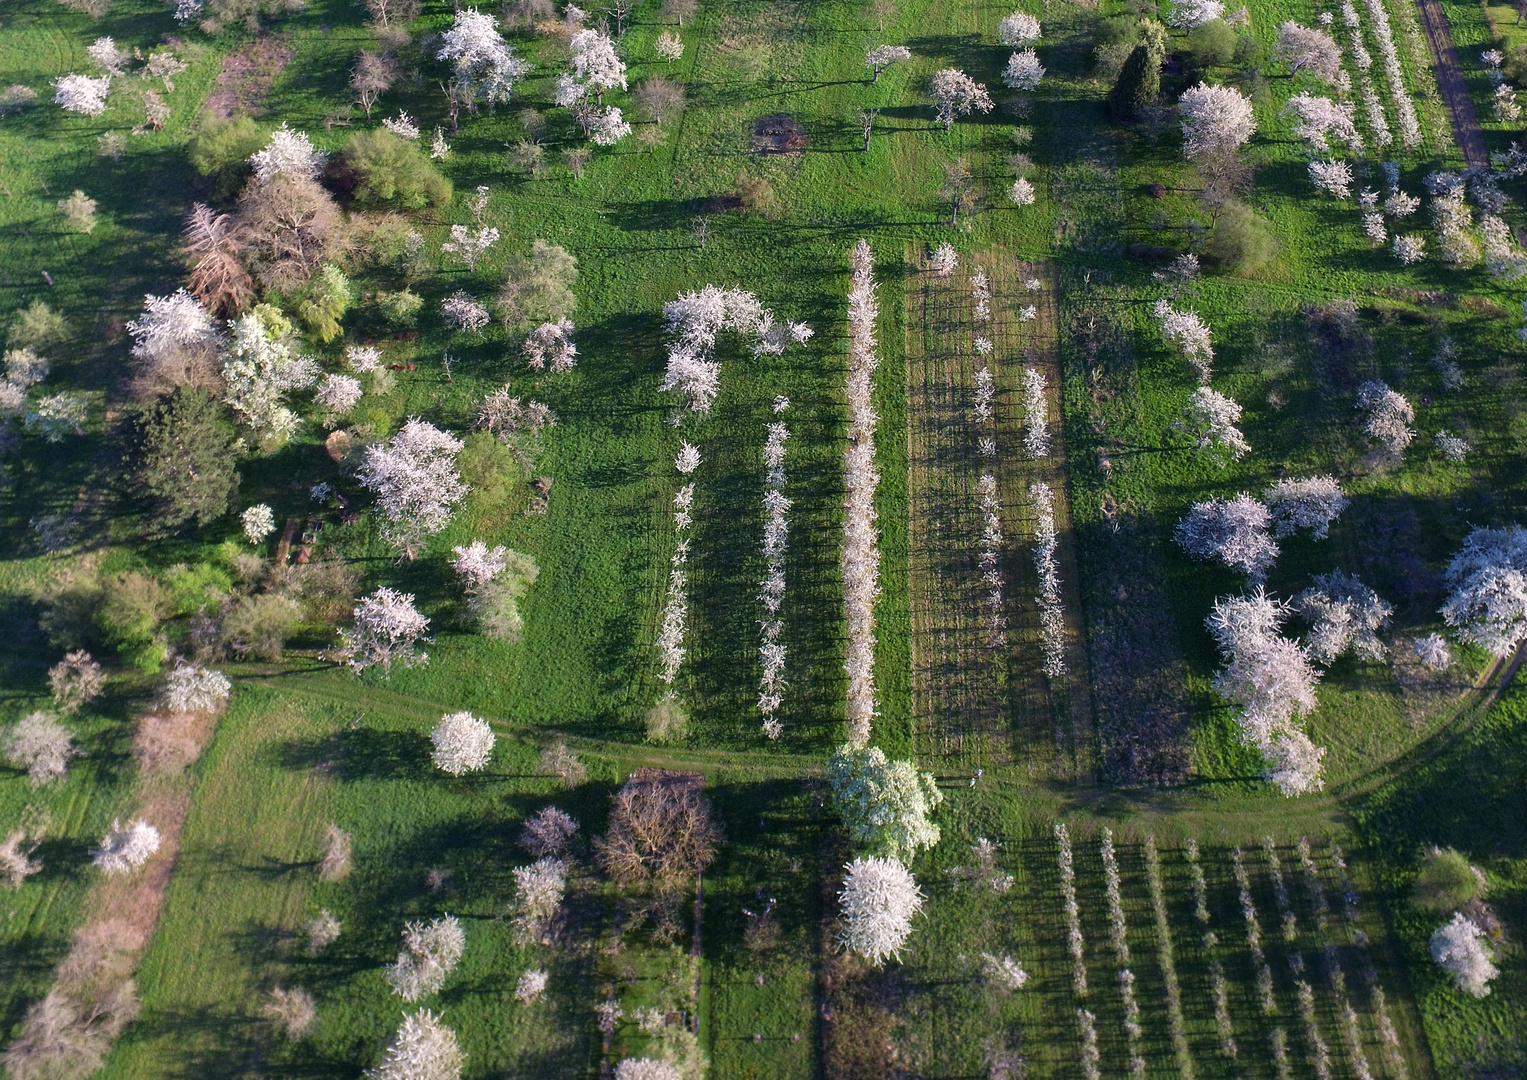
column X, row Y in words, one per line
column 754, row 193
column 185, row 460
column 1241, row 242
column 325, row 303
column 1447, row 883
column 131, row 611
column 260, row 625
column 37, row 325
column 538, row 289
column 1212, row 44
column 391, row 171
column 399, row 310
column 666, row 721
column 220, row 150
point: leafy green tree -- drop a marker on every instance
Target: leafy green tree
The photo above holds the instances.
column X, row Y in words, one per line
column 883, row 804
column 1447, row 882
column 185, row 459
column 1138, row 84
column 36, row 325
column 391, row 171
column 131, row 611
column 1212, row 44
column 327, row 300
column 220, row 150
column 538, row 289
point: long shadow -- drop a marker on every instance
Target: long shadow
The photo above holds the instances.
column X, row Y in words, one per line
column 361, row 754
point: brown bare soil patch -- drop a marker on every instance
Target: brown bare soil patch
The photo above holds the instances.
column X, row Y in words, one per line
column 166, row 743
column 779, row 134
column 247, row 76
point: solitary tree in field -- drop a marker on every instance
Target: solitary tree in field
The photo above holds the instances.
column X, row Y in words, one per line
column 429, row 954
column 1216, row 122
column 883, row 56
column 40, row 745
column 485, row 64
column 1018, row 29
column 373, row 76
column 77, row 680
column 1210, row 418
column 1458, row 949
column 957, row 94
column 82, row 94
column 463, row 743
column 125, row 848
column 596, row 63
column 1308, row 50
column 422, row 1049
column 190, row 688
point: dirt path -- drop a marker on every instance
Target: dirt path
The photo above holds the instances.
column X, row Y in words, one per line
column 1450, row 84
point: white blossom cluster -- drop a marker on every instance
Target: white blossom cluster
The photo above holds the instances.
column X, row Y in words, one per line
column 1087, row 1024
column 1458, row 949
column 692, row 322
column 1389, row 416
column 1334, row 177
column 530, row 987
column 985, row 385
column 1003, row 973
column 1216, row 120
column 989, row 560
column 1453, row 221
column 258, row 371
column 771, row 650
column 1189, row 333
column 485, row 64
column 1271, row 678
column 468, row 246
column 1210, row 417
column 40, row 745
column 1191, row 14
column 944, row 259
column 338, row 394
column 1507, row 109
column 1432, row 650
column 957, row 94
column 1176, row 1024
column 1304, row 504
column 56, row 416
column 189, row 688
column 1344, row 615
column 1036, row 414
column 1319, row 119
column 289, row 153
column 170, row 324
column 550, row 347
column 1320, row 1053
column 124, row 848
column 980, row 296
column 1410, row 127
column 1052, row 617
column 1487, row 598
column 1018, row 29
column 387, row 630
column 82, row 94
column 1074, row 940
column 1230, row 531
column 403, row 126
column 464, row 313
column 670, row 638
column 422, row 1049
column 1503, row 258
column 1254, row 934
column 258, row 522
column 1308, row 50
column 538, row 892
column 429, row 954
column 1023, row 71
column 1378, row 121
column 861, row 538
column 462, row 743
column 878, row 901
column 416, row 483
column 1118, row 933
column 1218, row 985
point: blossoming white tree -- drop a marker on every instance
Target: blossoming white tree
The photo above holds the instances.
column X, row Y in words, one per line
column 1210, row 418
column 429, row 954
column 692, row 322
column 883, row 56
column 174, row 334
column 1023, row 71
column 1433, row 652
column 1036, row 414
column 1487, row 582
column 189, row 688
column 1334, row 177
column 645, row 1068
column 288, row 153
column 106, row 55
column 956, row 94
column 1018, row 29
column 1308, row 50
column 422, row 1049
column 1389, row 416
column 1458, row 948
column 549, row 832
column 40, row 745
column 878, row 901
column 1230, row 531
column 338, row 394
column 884, row 804
column 531, row 985
column 1052, row 616
column 1313, row 503
column 596, row 63
column 259, row 369
column 462, row 742
column 486, row 67
column 258, row 522
column 538, row 892
column 1318, row 119
column 387, row 630
column 465, row 313
column 1191, row 14
column 416, row 483
column 125, row 848
column 550, row 347
column 82, row 94
column 771, row 650
column 1216, row 121
column 1189, row 333
column 468, row 246
column 1344, row 615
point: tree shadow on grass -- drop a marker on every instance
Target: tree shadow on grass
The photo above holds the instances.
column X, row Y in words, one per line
column 361, row 754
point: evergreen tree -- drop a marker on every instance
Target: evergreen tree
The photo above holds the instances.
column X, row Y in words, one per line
column 1138, row 84
column 186, row 464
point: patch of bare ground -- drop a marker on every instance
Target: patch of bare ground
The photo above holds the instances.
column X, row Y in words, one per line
column 246, row 78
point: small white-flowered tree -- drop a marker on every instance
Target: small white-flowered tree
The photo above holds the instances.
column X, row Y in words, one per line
column 1210, row 418
column 387, row 631
column 1230, row 531
column 1312, row 504
column 1023, row 71
column 429, row 954
column 82, row 94
column 883, row 56
column 1487, row 579
column 125, row 848
column 885, row 805
column 192, row 689
column 1018, row 29
column 258, row 522
column 416, row 483
column 40, row 745
column 462, row 742
column 423, row 1049
column 1458, row 948
column 956, row 94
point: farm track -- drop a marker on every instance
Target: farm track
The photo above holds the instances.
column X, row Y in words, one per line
column 1450, row 84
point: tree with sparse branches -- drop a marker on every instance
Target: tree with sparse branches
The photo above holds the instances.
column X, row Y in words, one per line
column 661, row 831
column 538, row 288
column 212, row 249
column 76, row 680
column 956, row 94
column 373, row 76
column 1210, row 418
column 387, row 631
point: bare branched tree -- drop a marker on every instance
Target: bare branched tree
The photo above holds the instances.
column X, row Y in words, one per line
column 661, row 830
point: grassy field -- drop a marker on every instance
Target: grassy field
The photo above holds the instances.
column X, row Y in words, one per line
column 1413, row 760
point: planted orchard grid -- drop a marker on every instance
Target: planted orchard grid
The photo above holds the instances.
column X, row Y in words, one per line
column 974, row 680
column 1355, row 995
